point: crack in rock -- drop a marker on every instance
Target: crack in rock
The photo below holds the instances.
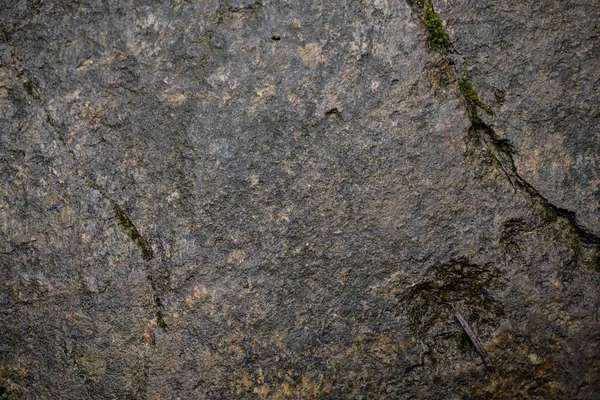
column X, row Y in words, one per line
column 501, row 150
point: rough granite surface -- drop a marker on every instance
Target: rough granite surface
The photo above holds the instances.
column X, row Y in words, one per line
column 227, row 199
column 536, row 64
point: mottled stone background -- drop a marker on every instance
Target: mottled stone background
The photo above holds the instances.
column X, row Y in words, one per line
column 225, row 199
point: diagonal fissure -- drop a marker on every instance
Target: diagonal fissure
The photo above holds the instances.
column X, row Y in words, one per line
column 501, row 150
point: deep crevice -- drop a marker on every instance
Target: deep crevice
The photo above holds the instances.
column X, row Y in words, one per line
column 501, row 150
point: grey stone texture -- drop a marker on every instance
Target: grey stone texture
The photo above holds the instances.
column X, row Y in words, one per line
column 536, row 64
column 229, row 199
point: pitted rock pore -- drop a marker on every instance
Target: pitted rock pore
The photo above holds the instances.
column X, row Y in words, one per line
column 270, row 200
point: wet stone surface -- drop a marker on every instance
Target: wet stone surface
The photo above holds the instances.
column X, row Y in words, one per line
column 271, row 200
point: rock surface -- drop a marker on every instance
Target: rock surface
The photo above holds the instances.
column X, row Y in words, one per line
column 535, row 64
column 264, row 199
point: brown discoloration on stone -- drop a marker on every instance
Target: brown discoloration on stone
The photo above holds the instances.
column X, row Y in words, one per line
column 311, row 55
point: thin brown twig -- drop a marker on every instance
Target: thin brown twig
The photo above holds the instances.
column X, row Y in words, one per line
column 478, row 346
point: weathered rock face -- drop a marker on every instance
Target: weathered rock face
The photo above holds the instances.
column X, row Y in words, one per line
column 260, row 199
column 535, row 64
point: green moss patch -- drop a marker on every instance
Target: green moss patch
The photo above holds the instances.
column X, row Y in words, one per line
column 437, row 34
column 133, row 233
column 466, row 88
